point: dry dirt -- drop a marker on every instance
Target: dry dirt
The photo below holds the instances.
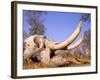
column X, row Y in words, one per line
column 71, row 61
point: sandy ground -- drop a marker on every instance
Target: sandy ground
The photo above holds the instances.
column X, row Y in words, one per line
column 71, row 61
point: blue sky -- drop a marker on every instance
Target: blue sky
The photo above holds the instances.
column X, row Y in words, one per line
column 59, row 25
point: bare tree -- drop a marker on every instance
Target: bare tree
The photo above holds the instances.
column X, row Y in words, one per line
column 36, row 22
column 25, row 35
column 86, row 44
column 85, row 17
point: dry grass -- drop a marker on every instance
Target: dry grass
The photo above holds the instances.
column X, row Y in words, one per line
column 71, row 61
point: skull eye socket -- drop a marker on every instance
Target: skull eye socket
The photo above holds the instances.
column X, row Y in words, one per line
column 28, row 45
column 25, row 45
column 35, row 46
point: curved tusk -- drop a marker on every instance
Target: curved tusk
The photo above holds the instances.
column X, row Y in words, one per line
column 76, row 44
column 70, row 39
